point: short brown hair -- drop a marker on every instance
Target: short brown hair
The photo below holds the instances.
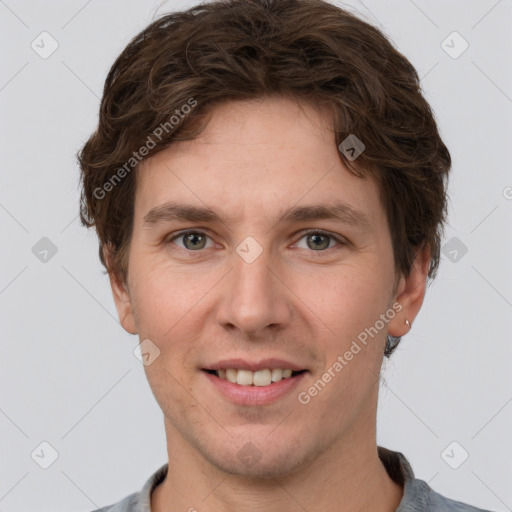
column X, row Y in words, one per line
column 309, row 50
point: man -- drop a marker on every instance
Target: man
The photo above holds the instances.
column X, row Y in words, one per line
column 269, row 190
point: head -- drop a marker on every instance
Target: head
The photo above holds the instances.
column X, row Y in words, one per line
column 241, row 107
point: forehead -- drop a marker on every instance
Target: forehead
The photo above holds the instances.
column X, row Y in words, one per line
column 256, row 157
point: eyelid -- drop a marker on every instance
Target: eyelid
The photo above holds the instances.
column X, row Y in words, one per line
column 338, row 238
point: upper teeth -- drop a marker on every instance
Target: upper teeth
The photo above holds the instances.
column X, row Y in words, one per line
column 258, row 378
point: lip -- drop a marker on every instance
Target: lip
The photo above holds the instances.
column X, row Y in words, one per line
column 254, row 366
column 254, row 395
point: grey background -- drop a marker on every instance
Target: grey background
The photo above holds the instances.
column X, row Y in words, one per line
column 68, row 375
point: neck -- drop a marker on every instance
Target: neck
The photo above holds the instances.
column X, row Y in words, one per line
column 346, row 477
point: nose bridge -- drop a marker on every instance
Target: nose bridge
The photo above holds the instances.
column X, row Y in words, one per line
column 255, row 297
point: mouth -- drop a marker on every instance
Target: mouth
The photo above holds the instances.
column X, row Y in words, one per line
column 257, row 387
column 259, row 378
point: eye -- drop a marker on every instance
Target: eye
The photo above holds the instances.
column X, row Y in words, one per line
column 319, row 241
column 192, row 240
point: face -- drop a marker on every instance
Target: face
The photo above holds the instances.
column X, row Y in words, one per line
column 264, row 278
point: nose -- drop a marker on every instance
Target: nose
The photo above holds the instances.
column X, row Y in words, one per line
column 255, row 298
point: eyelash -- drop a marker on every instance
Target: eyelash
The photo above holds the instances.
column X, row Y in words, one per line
column 341, row 242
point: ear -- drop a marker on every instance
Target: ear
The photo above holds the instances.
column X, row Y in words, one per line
column 410, row 293
column 121, row 296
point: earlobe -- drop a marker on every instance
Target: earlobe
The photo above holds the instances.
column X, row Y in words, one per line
column 122, row 299
column 410, row 294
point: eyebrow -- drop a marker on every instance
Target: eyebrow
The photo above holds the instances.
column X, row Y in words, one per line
column 341, row 212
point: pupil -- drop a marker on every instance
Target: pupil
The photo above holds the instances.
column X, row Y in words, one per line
column 193, row 237
column 316, row 237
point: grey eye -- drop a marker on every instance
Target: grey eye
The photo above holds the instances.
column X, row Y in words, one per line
column 318, row 241
column 192, row 240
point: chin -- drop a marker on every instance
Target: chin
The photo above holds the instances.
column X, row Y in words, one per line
column 261, row 470
column 258, row 460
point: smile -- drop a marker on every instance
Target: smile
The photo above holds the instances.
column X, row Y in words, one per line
column 245, row 387
column 263, row 377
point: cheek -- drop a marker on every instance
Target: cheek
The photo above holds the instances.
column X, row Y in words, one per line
column 163, row 295
column 346, row 306
column 345, row 297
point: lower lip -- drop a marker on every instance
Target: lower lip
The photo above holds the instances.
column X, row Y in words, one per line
column 255, row 395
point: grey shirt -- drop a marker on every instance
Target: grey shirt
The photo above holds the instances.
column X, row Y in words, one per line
column 418, row 496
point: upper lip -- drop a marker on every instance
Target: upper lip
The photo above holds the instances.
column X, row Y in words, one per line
column 261, row 364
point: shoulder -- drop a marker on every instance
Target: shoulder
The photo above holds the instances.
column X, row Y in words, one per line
column 138, row 501
column 127, row 504
column 418, row 495
column 439, row 502
column 423, row 498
